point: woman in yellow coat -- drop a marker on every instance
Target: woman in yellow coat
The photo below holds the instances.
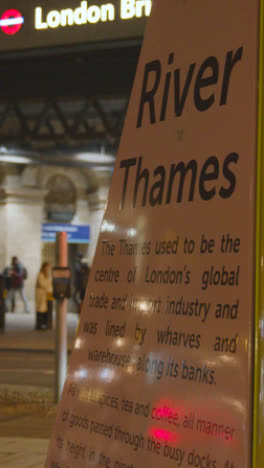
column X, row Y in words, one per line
column 43, row 290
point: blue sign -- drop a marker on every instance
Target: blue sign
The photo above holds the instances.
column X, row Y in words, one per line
column 77, row 234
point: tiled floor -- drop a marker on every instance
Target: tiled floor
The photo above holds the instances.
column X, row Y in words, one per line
column 20, row 333
column 20, row 421
column 22, row 453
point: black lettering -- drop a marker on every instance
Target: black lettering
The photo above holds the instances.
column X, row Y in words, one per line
column 203, row 82
column 148, row 96
column 229, row 175
column 141, row 175
column 166, row 90
column 182, row 169
column 180, row 100
column 229, row 65
column 126, row 163
column 206, row 176
column 157, row 187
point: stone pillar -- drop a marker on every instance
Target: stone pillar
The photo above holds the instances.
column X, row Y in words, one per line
column 82, row 215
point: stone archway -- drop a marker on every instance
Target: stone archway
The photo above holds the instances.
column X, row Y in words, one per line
column 61, row 198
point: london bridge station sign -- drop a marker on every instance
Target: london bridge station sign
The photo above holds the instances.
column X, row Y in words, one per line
column 42, row 23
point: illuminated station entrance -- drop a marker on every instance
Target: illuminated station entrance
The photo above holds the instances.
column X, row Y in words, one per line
column 67, row 69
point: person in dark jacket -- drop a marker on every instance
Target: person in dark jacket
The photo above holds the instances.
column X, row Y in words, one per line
column 83, row 280
column 15, row 275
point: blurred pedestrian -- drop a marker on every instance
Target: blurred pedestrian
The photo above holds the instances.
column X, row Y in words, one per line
column 83, row 280
column 77, row 270
column 43, row 293
column 15, row 274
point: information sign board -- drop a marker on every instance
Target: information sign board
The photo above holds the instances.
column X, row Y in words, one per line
column 162, row 369
column 76, row 234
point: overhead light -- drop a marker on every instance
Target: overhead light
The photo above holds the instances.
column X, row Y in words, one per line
column 104, row 168
column 95, row 158
column 15, row 159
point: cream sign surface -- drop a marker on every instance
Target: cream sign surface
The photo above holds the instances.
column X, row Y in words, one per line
column 161, row 373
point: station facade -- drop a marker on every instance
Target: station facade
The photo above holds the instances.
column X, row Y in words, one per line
column 56, row 104
column 78, row 197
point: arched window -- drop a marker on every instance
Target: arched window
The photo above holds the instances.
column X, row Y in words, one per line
column 60, row 202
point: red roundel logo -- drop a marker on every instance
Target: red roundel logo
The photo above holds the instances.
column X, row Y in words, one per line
column 11, row 21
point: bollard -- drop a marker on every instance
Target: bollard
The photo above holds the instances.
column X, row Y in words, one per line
column 61, row 321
